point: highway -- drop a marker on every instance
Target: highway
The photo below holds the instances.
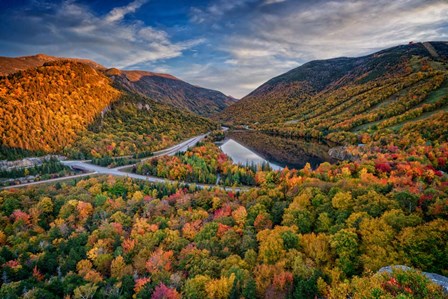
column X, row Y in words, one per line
column 91, row 169
column 181, row 147
column 48, row 181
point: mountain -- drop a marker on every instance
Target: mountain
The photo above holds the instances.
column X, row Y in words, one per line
column 168, row 89
column 52, row 107
column 341, row 97
column 137, row 124
column 43, row 108
column 162, row 88
column 10, row 65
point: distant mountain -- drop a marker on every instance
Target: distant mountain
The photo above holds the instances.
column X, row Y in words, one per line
column 162, row 88
column 168, row 89
column 384, row 90
column 52, row 107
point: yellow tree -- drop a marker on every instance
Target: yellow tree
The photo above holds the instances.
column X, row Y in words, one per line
column 376, row 244
column 220, row 288
column 118, row 268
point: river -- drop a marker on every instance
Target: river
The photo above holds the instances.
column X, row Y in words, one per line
column 256, row 147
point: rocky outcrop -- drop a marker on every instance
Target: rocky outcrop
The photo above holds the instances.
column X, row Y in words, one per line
column 27, row 162
column 436, row 278
column 341, row 153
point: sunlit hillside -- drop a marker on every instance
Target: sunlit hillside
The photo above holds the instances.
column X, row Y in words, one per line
column 339, row 98
column 71, row 107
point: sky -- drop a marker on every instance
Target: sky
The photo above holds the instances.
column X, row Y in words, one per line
column 229, row 45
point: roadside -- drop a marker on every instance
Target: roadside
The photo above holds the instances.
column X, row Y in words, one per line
column 91, row 169
column 49, row 181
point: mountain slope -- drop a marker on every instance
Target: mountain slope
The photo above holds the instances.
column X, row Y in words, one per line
column 49, row 108
column 168, row 89
column 136, row 124
column 44, row 108
column 162, row 88
column 379, row 91
column 10, row 65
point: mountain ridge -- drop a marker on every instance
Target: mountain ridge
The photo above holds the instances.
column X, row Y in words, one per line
column 162, row 88
column 341, row 94
column 166, row 88
column 70, row 107
column 10, row 65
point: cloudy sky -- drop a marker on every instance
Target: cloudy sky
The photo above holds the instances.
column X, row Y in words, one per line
column 229, row 45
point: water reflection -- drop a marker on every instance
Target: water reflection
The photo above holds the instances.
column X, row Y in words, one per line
column 243, row 155
column 280, row 151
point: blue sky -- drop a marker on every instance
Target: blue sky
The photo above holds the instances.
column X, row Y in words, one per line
column 229, row 45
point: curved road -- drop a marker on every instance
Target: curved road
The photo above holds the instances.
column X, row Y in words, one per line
column 92, row 169
column 181, row 147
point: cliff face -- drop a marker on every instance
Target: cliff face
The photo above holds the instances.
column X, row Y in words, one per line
column 162, row 88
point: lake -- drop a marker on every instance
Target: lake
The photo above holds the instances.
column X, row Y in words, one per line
column 242, row 155
column 257, row 147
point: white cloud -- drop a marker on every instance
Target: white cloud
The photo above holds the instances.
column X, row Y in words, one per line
column 72, row 29
column 337, row 28
column 245, row 42
column 268, row 2
column 233, row 77
column 119, row 13
column 218, row 8
column 271, row 41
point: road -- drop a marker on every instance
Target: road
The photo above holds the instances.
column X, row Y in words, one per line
column 48, row 181
column 92, row 169
column 181, row 147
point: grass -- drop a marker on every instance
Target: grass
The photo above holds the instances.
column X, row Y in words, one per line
column 423, row 116
column 433, row 97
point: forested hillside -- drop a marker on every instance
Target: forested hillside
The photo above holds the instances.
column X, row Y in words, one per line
column 162, row 88
column 340, row 98
column 10, row 65
column 44, row 109
column 313, row 232
column 170, row 90
column 49, row 108
column 135, row 124
column 305, row 233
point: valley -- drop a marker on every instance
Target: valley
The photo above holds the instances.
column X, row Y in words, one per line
column 90, row 169
column 294, row 154
column 317, row 184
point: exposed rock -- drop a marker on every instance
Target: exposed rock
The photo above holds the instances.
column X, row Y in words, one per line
column 27, row 162
column 436, row 278
column 112, row 72
column 341, row 153
column 143, row 106
column 291, row 122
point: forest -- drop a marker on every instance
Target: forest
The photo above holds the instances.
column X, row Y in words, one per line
column 319, row 231
column 135, row 125
column 204, row 163
column 300, row 234
column 50, row 168
column 338, row 99
column 111, row 162
column 45, row 107
column 71, row 108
